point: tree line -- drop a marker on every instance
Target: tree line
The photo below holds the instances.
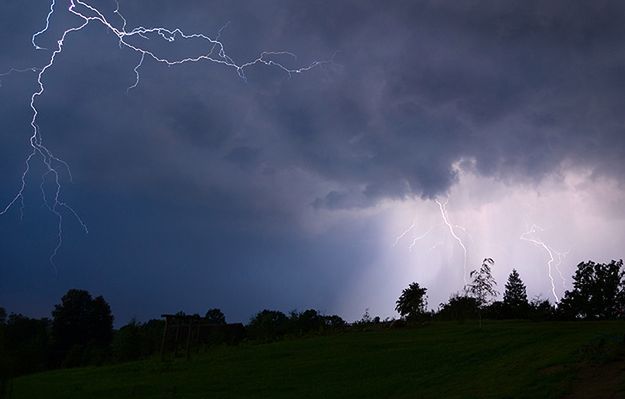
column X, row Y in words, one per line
column 80, row 331
column 598, row 293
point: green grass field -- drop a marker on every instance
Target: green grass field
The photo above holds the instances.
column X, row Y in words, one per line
column 440, row 360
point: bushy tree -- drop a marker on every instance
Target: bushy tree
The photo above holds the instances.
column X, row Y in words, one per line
column 482, row 286
column 515, row 297
column 412, row 302
column 307, row 321
column 598, row 292
column 127, row 342
column 137, row 340
column 81, row 324
column 541, row 309
column 215, row 316
column 268, row 325
column 26, row 345
column 459, row 307
column 334, row 322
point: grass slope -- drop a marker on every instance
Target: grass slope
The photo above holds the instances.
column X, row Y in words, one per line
column 440, row 360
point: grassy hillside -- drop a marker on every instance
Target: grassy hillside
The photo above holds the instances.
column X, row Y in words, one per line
column 440, row 360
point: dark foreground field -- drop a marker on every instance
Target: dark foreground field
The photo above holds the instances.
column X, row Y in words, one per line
column 440, row 360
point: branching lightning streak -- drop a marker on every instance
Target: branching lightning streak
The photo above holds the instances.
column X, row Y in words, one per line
column 402, row 235
column 561, row 256
column 415, row 239
column 530, row 236
column 443, row 209
column 419, row 238
column 136, row 69
column 116, row 11
column 35, row 45
column 17, row 70
column 452, row 229
column 88, row 14
column 48, row 159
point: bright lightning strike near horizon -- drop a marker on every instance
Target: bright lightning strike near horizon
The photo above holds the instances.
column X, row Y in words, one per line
column 555, row 257
column 54, row 167
column 443, row 209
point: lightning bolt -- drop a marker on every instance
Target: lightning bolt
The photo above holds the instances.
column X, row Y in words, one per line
column 452, row 230
column 555, row 257
column 402, row 235
column 45, row 28
column 17, row 70
column 420, row 237
column 443, row 209
column 54, row 167
column 561, row 256
column 415, row 239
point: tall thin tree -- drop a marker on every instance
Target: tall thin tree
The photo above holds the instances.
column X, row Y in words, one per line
column 482, row 286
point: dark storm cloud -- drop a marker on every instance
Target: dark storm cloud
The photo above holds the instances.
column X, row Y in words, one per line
column 520, row 87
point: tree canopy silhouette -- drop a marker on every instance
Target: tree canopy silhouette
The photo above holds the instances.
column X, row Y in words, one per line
column 23, row 345
column 215, row 316
column 459, row 307
column 268, row 325
column 598, row 292
column 307, row 321
column 81, row 321
column 412, row 302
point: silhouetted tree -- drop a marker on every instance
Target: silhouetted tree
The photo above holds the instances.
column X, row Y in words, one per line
column 151, row 335
column 80, row 324
column 541, row 309
column 366, row 318
column 26, row 344
column 137, row 340
column 215, row 316
column 412, row 302
column 334, row 322
column 307, row 321
column 459, row 307
column 127, row 342
column 482, row 287
column 3, row 315
column 598, row 292
column 268, row 325
column 515, row 297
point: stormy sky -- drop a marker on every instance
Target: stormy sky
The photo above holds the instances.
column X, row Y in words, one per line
column 317, row 190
